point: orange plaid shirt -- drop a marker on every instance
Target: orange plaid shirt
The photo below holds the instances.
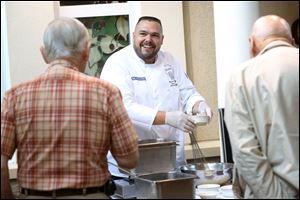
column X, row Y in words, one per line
column 63, row 123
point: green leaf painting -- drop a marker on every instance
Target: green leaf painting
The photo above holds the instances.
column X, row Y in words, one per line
column 109, row 34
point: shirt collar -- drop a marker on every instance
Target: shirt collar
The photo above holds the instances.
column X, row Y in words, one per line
column 62, row 63
column 274, row 44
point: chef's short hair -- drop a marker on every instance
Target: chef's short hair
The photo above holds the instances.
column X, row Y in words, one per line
column 150, row 18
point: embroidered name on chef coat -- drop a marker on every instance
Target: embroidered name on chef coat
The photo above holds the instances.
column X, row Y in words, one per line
column 170, row 73
column 136, row 78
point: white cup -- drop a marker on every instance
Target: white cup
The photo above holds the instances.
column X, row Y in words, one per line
column 208, row 195
column 226, row 191
column 208, row 191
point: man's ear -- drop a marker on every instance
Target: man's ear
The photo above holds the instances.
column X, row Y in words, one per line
column 42, row 49
column 162, row 39
column 253, row 47
column 84, row 57
column 294, row 42
column 86, row 52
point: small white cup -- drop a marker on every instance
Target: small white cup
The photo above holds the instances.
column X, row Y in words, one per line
column 208, row 195
column 208, row 191
column 208, row 187
column 226, row 191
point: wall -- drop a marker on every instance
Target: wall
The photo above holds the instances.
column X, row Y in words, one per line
column 232, row 46
column 287, row 9
column 26, row 22
column 5, row 77
column 171, row 16
column 201, row 58
column 241, row 14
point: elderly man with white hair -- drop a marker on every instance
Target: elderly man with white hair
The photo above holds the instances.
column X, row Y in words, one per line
column 262, row 114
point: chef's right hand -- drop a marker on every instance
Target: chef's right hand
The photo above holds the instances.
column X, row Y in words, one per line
column 180, row 120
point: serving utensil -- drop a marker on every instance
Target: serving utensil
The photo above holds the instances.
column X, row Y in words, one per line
column 198, row 155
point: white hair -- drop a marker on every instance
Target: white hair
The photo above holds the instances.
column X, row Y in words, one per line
column 65, row 37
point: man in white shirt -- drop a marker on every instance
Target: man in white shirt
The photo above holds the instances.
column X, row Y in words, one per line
column 262, row 114
column 158, row 95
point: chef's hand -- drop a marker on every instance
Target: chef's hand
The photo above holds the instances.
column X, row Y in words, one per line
column 204, row 110
column 180, row 120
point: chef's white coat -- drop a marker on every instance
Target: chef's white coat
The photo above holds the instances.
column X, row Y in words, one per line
column 149, row 88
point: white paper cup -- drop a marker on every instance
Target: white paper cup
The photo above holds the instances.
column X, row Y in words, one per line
column 226, row 191
column 207, row 188
column 208, row 195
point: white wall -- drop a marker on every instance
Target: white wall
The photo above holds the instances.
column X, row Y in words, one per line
column 26, row 22
column 233, row 23
column 5, row 77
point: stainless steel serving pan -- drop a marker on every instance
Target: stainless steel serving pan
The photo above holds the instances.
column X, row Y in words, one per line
column 156, row 155
column 165, row 185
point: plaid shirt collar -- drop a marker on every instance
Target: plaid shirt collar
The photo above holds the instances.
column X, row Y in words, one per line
column 62, row 63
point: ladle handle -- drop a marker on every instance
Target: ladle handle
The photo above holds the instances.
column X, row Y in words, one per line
column 131, row 174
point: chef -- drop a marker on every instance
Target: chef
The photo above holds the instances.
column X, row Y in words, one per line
column 158, row 95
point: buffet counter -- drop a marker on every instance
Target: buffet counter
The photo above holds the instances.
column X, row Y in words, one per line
column 210, row 148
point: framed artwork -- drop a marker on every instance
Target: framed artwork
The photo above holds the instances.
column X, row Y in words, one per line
column 109, row 33
column 73, row 3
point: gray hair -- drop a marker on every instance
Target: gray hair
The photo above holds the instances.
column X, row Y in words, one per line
column 65, row 37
